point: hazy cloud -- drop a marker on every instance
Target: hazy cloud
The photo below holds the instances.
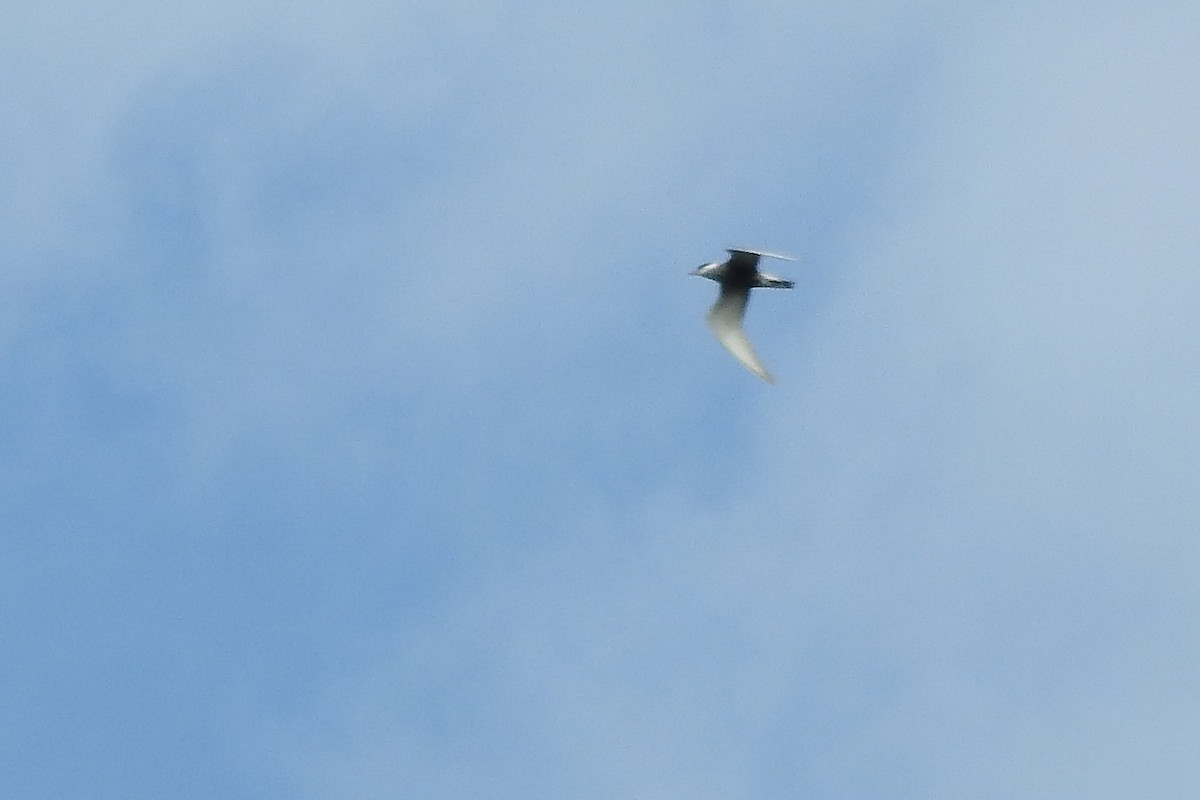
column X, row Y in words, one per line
column 363, row 435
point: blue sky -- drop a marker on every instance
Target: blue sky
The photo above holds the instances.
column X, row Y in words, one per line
column 362, row 436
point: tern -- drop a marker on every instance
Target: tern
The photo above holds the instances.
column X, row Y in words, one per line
column 737, row 277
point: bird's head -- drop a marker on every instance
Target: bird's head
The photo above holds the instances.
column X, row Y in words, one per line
column 712, row 271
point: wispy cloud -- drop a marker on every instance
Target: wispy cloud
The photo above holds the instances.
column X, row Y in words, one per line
column 362, row 434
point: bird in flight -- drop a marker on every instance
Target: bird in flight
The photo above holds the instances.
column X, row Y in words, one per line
column 737, row 277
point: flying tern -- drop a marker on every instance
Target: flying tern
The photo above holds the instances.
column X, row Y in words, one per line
column 737, row 276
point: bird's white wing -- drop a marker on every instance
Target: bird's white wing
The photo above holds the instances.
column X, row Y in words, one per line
column 725, row 320
column 735, row 250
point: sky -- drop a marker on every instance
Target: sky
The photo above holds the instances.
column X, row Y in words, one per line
column 361, row 435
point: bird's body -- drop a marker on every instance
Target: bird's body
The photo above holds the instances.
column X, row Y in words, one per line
column 737, row 277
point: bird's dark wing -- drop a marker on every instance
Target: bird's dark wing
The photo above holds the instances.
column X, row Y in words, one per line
column 743, row 264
